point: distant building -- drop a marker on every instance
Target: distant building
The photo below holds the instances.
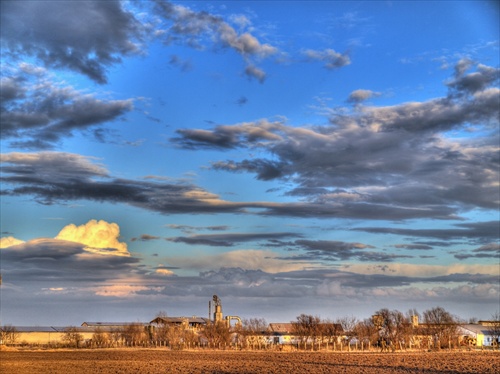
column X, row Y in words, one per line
column 478, row 335
column 282, row 333
column 110, row 325
column 191, row 323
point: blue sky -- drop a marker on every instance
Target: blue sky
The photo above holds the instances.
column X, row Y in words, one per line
column 328, row 158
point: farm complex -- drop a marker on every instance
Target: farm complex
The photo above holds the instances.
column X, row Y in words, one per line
column 385, row 331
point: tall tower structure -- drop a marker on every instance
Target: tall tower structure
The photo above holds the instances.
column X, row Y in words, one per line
column 217, row 309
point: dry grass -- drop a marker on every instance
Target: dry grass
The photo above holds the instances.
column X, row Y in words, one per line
column 225, row 362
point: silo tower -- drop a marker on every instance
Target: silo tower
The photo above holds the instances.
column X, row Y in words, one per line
column 218, row 309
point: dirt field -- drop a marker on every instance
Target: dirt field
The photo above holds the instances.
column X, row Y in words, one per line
column 225, row 362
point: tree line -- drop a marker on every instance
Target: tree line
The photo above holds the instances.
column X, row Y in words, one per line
column 386, row 329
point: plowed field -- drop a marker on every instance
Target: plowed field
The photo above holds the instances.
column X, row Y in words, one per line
column 225, row 362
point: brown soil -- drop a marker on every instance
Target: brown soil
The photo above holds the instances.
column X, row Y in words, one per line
column 225, row 362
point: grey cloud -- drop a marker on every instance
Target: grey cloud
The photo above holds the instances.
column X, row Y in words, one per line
column 228, row 137
column 242, row 101
column 355, row 211
column 476, row 81
column 490, row 250
column 194, row 139
column 472, row 278
column 145, row 237
column 330, row 58
column 70, row 35
column 55, row 165
column 413, row 246
column 191, row 26
column 479, row 231
column 329, row 246
column 187, row 26
column 435, row 115
column 41, row 112
column 275, row 243
column 189, row 229
column 178, row 62
column 47, row 260
column 328, row 250
column 159, row 197
column 265, row 169
column 437, row 244
column 388, row 162
column 30, row 174
column 237, row 281
column 47, row 177
column 10, row 89
column 252, row 71
column 201, row 241
column 462, row 66
column 360, row 95
column 254, row 283
column 230, row 239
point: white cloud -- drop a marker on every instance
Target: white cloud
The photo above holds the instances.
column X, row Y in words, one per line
column 96, row 235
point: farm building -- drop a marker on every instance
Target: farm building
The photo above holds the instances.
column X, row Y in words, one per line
column 111, row 325
column 191, row 323
column 281, row 333
column 479, row 335
column 42, row 335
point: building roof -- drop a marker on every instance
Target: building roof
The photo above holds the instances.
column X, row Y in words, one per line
column 179, row 320
column 489, row 323
column 35, row 328
column 111, row 324
column 476, row 328
column 281, row 328
column 63, row 329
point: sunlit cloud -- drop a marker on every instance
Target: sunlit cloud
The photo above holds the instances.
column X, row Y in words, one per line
column 8, row 241
column 96, row 235
column 251, row 259
column 121, row 290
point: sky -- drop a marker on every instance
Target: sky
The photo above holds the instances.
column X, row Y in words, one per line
column 317, row 157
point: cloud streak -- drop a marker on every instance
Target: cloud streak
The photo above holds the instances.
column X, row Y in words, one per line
column 230, row 239
column 36, row 112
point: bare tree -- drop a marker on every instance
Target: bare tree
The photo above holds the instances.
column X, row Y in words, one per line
column 332, row 331
column 252, row 330
column 72, row 336
column 100, row 338
column 494, row 329
column 174, row 334
column 348, row 324
column 190, row 337
column 441, row 326
column 116, row 336
column 161, row 332
column 307, row 327
column 217, row 333
column 394, row 329
column 134, row 333
column 9, row 334
column 367, row 332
